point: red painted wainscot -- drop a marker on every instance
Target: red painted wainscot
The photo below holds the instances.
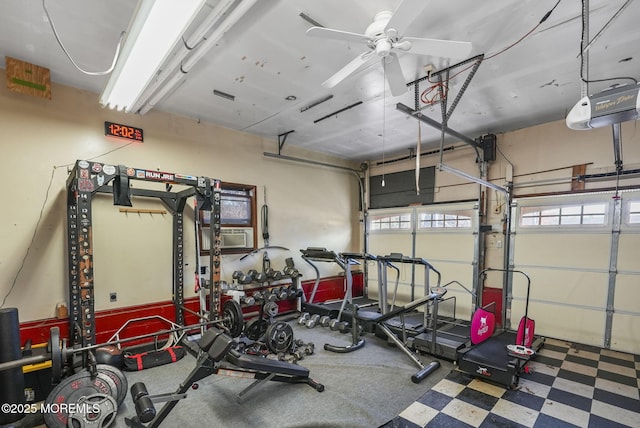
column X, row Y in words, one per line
column 109, row 321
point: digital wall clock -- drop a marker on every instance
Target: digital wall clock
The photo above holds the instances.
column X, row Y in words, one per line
column 125, row 132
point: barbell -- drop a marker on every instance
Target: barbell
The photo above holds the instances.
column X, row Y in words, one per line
column 58, row 353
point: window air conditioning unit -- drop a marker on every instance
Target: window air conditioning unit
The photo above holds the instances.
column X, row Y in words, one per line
column 241, row 237
column 235, row 238
column 611, row 106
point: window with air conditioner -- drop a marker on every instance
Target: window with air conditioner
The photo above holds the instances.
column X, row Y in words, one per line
column 237, row 220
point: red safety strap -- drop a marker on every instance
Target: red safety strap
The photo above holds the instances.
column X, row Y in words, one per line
column 173, row 355
column 138, row 358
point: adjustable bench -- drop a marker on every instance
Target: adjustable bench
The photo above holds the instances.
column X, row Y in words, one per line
column 217, row 357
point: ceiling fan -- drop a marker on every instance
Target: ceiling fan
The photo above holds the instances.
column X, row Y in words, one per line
column 385, row 39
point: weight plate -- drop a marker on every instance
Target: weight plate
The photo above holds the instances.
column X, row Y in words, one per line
column 69, row 391
column 118, row 378
column 271, row 309
column 279, row 337
column 96, row 410
column 56, row 355
column 256, row 328
column 232, row 317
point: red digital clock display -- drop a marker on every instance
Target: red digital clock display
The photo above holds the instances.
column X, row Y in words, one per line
column 123, row 131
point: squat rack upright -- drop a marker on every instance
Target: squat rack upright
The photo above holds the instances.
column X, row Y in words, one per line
column 85, row 180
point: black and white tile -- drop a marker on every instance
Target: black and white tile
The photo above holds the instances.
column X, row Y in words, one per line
column 570, row 386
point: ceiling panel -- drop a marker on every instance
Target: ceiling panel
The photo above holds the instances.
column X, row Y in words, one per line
column 267, row 57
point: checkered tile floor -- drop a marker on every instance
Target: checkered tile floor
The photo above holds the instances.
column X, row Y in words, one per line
column 571, row 386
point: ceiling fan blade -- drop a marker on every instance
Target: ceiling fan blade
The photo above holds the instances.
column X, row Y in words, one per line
column 328, row 33
column 394, row 75
column 345, row 71
column 405, row 14
column 436, row 47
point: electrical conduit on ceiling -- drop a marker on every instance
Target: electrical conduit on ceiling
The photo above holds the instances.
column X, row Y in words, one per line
column 189, row 56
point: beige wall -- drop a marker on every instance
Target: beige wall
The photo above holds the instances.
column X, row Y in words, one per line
column 308, row 205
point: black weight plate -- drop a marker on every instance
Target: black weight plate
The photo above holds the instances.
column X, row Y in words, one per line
column 118, row 378
column 69, row 391
column 232, row 317
column 256, row 328
column 279, row 337
column 102, row 412
column 56, row 355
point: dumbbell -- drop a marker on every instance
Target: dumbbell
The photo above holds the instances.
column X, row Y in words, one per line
column 245, row 279
column 260, row 277
column 269, row 296
column 313, row 321
column 336, row 325
column 309, row 348
column 302, row 320
column 274, row 275
column 252, row 273
column 309, row 321
column 257, row 295
column 236, row 274
column 291, row 291
column 325, row 320
column 282, row 293
column 249, row 300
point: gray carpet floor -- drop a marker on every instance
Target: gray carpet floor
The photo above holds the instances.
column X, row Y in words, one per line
column 364, row 388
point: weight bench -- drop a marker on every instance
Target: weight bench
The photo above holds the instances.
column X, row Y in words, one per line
column 217, row 356
column 372, row 317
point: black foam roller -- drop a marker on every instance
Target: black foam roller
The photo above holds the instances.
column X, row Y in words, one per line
column 12, row 380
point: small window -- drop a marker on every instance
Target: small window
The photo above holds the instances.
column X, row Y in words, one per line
column 570, row 215
column 391, row 222
column 634, row 212
column 444, row 220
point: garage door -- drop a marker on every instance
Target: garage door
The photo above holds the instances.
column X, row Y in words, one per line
column 579, row 253
column 442, row 234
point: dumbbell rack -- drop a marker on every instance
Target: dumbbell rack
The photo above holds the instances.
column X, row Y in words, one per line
column 269, row 293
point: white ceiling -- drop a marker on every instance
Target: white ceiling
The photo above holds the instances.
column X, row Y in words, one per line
column 266, row 57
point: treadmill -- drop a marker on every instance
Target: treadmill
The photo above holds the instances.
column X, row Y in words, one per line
column 443, row 337
column 413, row 323
column 491, row 359
column 333, row 309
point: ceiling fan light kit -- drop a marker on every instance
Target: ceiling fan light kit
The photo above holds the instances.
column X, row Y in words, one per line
column 385, row 36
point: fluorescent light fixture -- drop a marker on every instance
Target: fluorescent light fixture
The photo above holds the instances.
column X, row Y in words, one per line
column 156, row 27
column 443, row 167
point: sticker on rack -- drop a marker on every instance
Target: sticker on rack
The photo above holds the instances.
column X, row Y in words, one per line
column 84, row 173
column 109, row 169
column 131, row 172
column 161, row 176
column 186, row 177
column 139, row 173
column 96, row 167
column 100, row 180
column 85, row 185
column 83, row 164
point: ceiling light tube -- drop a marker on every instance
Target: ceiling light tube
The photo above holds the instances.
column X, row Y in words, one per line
column 156, row 27
column 196, row 54
column 443, row 167
column 217, row 14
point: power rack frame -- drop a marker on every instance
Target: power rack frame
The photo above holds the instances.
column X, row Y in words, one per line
column 85, row 180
